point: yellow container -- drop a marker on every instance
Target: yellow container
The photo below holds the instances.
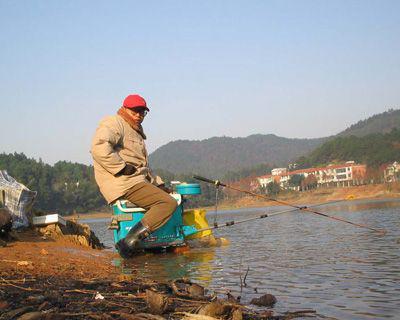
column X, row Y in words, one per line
column 196, row 218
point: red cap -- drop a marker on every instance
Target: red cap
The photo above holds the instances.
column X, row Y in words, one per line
column 135, row 101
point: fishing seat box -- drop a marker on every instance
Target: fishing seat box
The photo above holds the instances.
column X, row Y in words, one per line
column 171, row 234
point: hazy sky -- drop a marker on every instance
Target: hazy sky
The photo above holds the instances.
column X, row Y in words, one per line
column 206, row 68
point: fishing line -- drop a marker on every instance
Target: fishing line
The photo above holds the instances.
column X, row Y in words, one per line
column 265, row 215
column 218, row 183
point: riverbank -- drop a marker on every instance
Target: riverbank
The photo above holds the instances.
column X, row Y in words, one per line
column 47, row 277
column 373, row 191
column 320, row 195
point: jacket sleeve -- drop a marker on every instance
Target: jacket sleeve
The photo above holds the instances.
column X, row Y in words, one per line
column 104, row 147
column 154, row 179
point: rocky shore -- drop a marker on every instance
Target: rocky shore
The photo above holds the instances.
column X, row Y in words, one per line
column 63, row 273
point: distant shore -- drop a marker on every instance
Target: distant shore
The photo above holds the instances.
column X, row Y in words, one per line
column 321, row 195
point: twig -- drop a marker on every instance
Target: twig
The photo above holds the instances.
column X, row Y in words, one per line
column 245, row 276
column 71, row 314
column 15, row 286
column 19, row 280
column 128, row 296
column 118, row 305
column 188, row 300
column 81, row 291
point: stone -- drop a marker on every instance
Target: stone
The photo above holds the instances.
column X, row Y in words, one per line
column 266, row 300
column 157, row 302
column 237, row 315
column 215, row 309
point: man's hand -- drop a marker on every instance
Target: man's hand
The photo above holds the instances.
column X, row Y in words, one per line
column 127, row 170
column 165, row 188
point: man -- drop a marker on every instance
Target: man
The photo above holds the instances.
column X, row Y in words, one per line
column 122, row 171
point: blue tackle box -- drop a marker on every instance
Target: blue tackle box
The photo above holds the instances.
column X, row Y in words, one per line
column 171, row 234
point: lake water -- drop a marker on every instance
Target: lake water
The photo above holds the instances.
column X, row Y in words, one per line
column 306, row 261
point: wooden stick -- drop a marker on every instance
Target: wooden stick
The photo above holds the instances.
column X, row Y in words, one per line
column 19, row 287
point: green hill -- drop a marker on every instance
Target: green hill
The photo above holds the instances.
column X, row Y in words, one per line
column 379, row 123
column 219, row 155
column 373, row 149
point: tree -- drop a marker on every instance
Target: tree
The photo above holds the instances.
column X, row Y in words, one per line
column 296, row 180
column 310, row 182
column 64, row 187
column 273, row 188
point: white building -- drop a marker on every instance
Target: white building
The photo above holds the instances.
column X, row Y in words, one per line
column 331, row 175
column 391, row 172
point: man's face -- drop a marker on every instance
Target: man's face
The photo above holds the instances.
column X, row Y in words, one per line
column 138, row 114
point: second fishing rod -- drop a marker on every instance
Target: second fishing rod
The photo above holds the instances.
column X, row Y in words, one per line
column 218, row 183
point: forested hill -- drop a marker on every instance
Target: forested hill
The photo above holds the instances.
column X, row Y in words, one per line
column 218, row 155
column 373, row 150
column 379, row 123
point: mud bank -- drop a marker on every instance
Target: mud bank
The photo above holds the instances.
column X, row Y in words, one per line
column 45, row 275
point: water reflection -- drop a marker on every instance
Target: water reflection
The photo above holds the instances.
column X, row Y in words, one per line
column 195, row 264
column 305, row 260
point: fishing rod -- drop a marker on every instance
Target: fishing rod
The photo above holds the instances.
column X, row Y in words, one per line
column 218, row 183
column 265, row 215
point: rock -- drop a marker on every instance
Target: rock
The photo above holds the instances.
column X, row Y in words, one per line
column 196, row 290
column 73, row 232
column 237, row 315
column 266, row 300
column 186, row 288
column 231, row 298
column 156, row 302
column 192, row 316
column 215, row 309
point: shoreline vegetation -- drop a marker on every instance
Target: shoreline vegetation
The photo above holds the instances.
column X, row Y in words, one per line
column 321, row 195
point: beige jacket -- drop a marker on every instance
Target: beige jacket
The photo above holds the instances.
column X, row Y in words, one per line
column 115, row 144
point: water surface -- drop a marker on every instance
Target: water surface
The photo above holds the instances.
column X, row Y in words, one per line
column 306, row 261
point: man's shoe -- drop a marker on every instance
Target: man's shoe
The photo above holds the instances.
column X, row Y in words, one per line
column 129, row 245
column 123, row 250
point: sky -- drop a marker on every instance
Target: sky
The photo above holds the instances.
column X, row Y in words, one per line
column 297, row 69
